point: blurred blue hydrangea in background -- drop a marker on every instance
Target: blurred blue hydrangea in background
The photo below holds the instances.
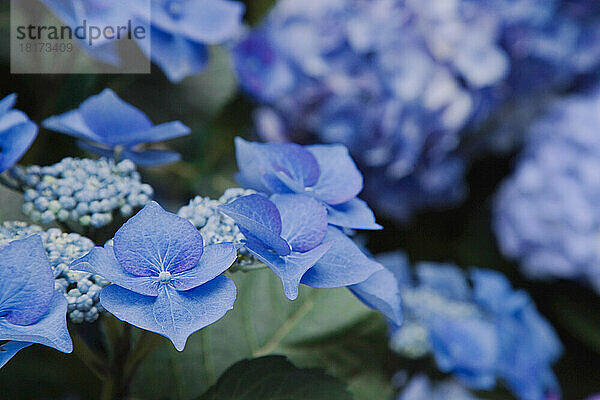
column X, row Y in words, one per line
column 398, row 82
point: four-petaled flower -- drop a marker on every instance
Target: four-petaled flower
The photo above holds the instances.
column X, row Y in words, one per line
column 182, row 29
column 290, row 234
column 325, row 172
column 30, row 310
column 17, row 133
column 107, row 125
column 163, row 279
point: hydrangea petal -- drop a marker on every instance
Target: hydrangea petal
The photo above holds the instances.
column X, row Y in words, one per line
column 10, row 349
column 111, row 118
column 50, row 330
column 344, row 264
column 354, row 214
column 173, row 314
column 26, row 281
column 448, row 280
column 14, row 143
column 381, row 292
column 159, row 133
column 216, row 259
column 211, row 21
column 154, row 240
column 7, row 103
column 340, row 181
column 151, row 158
column 102, row 261
column 303, row 220
column 257, row 216
column 71, row 123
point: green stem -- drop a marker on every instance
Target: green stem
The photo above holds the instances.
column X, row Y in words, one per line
column 94, row 361
column 146, row 344
column 7, row 182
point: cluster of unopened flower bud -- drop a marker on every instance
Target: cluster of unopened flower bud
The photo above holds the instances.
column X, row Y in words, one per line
column 215, row 226
column 80, row 288
column 83, row 191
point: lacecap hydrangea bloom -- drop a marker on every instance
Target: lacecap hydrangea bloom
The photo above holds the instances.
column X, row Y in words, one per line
column 17, row 133
column 399, row 82
column 31, row 311
column 326, row 173
column 290, row 234
column 476, row 326
column 182, row 30
column 82, row 191
column 110, row 127
column 163, row 279
column 546, row 213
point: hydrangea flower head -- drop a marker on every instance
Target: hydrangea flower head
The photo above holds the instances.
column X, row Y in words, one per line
column 476, row 326
column 290, row 234
column 106, row 124
column 546, row 213
column 163, row 279
column 17, row 133
column 324, row 172
column 181, row 30
column 30, row 310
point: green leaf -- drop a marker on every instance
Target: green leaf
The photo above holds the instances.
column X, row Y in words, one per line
column 275, row 378
column 11, row 205
column 326, row 328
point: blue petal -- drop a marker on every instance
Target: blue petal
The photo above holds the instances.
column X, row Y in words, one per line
column 71, row 123
column 381, row 292
column 340, row 181
column 159, row 133
column 15, row 142
column 354, row 214
column 174, row 54
column 7, row 103
column 50, row 330
column 112, row 119
column 447, row 280
column 344, row 264
column 291, row 268
column 276, row 167
column 155, row 240
column 151, row 158
column 493, row 291
column 26, row 281
column 216, row 259
column 303, row 220
column 258, row 217
column 205, row 21
column 8, row 350
column 173, row 314
column 102, row 261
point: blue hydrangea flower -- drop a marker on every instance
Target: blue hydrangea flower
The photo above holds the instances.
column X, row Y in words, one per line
column 163, row 279
column 30, row 310
column 401, row 83
column 422, row 388
column 83, row 191
column 81, row 289
column 480, row 329
column 108, row 125
column 17, row 133
column 98, row 13
column 546, row 213
column 290, row 234
column 181, row 31
column 324, row 172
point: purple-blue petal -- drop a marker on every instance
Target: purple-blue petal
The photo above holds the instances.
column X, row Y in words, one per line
column 155, row 240
column 15, row 141
column 216, row 259
column 354, row 214
column 50, row 330
column 303, row 220
column 102, row 261
column 9, row 349
column 382, row 293
column 112, row 119
column 343, row 265
column 340, row 180
column 159, row 133
column 258, row 217
column 71, row 123
column 173, row 314
column 26, row 281
column 151, row 158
